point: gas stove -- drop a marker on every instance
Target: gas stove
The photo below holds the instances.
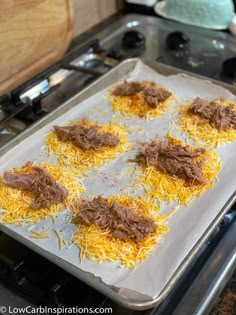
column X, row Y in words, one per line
column 203, row 52
column 25, row 277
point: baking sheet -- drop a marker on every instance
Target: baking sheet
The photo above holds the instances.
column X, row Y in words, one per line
column 186, row 226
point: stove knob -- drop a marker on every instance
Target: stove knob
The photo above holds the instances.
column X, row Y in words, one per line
column 177, row 41
column 133, row 39
column 229, row 69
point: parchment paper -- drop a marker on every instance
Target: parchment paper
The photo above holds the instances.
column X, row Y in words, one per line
column 186, row 226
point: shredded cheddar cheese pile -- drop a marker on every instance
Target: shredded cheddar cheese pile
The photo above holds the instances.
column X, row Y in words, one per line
column 98, row 245
column 199, row 129
column 82, row 160
column 164, row 187
column 15, row 202
column 136, row 105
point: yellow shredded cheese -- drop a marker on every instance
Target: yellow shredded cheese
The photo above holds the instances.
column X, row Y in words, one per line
column 16, row 202
column 99, row 246
column 136, row 104
column 60, row 240
column 40, row 233
column 164, row 187
column 40, row 236
column 200, row 130
column 53, row 218
column 81, row 160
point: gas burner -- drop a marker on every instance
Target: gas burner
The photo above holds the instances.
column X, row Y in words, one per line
column 228, row 71
column 178, row 43
column 133, row 39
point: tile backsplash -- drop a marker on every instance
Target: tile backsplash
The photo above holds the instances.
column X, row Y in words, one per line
column 90, row 12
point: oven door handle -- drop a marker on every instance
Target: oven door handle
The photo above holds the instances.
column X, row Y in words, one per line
column 212, row 279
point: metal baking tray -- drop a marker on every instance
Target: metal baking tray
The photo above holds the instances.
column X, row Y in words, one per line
column 110, row 78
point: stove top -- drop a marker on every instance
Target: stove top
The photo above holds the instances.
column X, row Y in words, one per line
column 204, row 52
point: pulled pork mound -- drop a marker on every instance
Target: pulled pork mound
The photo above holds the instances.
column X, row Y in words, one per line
column 127, row 88
column 86, row 138
column 123, row 222
column 47, row 191
column 152, row 95
column 155, row 95
column 173, row 159
column 219, row 116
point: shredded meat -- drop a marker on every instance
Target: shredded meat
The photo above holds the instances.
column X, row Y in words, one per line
column 175, row 160
column 154, row 95
column 219, row 116
column 86, row 138
column 123, row 222
column 127, row 88
column 47, row 191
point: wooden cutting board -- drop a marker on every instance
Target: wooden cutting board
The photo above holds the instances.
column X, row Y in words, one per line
column 34, row 34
